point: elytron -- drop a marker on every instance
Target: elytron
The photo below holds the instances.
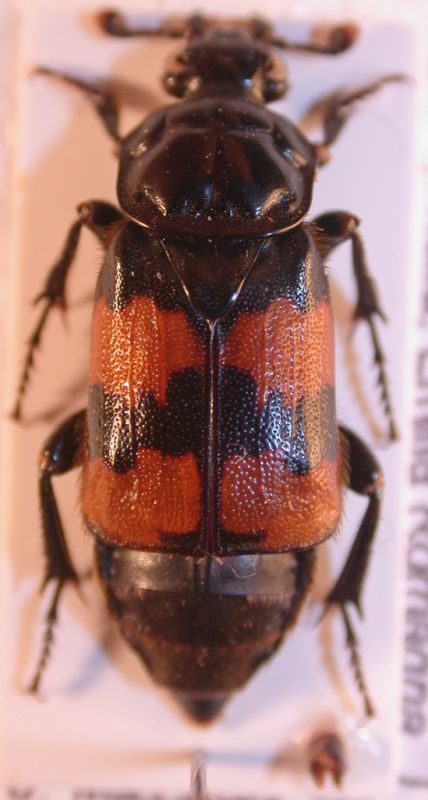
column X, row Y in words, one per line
column 212, row 461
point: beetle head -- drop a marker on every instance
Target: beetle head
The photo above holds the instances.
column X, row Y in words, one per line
column 232, row 57
column 231, row 54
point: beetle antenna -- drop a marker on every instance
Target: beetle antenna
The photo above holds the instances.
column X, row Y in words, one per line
column 338, row 40
column 48, row 638
column 357, row 667
column 114, row 23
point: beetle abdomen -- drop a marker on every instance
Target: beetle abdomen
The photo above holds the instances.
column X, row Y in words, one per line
column 203, row 626
column 211, row 413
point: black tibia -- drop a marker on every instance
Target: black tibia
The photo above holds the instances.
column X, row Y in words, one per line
column 365, row 478
column 338, row 227
column 101, row 218
column 99, row 93
column 61, row 453
column 339, row 106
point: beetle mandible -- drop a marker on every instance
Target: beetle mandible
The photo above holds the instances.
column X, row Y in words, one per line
column 213, row 464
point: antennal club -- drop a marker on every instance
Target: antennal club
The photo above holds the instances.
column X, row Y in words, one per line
column 114, row 23
column 338, row 40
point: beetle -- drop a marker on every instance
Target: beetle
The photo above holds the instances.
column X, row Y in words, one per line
column 212, row 460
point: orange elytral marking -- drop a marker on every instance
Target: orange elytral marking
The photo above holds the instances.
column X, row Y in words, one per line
column 161, row 494
column 139, row 348
column 284, row 349
column 257, row 494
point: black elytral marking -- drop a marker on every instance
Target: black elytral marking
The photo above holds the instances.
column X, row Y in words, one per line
column 275, row 428
column 318, row 413
column 299, row 451
column 136, row 265
column 111, row 430
column 238, row 415
column 181, row 542
column 276, row 424
column 289, row 266
column 213, row 272
column 246, row 430
column 139, row 263
column 186, row 542
column 116, row 432
column 182, row 419
column 231, row 542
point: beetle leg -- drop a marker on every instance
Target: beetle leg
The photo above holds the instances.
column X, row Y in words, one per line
column 100, row 218
column 61, row 453
column 99, row 93
column 338, row 107
column 365, row 478
column 338, row 227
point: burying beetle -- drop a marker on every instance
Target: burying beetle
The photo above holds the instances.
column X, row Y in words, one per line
column 213, row 465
